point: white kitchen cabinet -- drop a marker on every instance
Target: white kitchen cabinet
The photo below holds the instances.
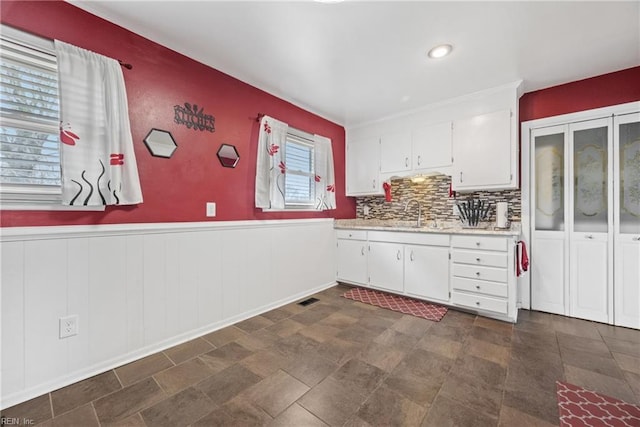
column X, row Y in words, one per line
column 426, row 272
column 395, row 152
column 482, row 274
column 363, row 167
column 484, row 149
column 386, row 266
column 431, row 147
column 352, row 256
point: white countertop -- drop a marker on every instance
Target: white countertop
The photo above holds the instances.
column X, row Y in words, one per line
column 410, row 226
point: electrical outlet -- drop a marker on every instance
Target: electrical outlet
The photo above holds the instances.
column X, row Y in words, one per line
column 455, row 211
column 211, row 209
column 68, row 326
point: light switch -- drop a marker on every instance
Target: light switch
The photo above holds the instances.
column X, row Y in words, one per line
column 211, row 209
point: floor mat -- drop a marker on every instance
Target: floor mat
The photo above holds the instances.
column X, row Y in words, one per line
column 398, row 303
column 581, row 407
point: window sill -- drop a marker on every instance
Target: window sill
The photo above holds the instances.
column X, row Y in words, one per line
column 18, row 206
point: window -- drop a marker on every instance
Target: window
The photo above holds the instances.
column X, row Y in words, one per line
column 299, row 188
column 29, row 121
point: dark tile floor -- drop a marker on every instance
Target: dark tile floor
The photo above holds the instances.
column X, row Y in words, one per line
column 340, row 362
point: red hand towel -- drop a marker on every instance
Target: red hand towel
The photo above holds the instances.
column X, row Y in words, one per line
column 524, row 258
column 518, row 272
column 387, row 191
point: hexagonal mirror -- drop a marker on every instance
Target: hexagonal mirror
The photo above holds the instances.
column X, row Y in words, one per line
column 160, row 143
column 228, row 156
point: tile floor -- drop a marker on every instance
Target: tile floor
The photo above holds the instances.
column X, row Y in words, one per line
column 340, row 362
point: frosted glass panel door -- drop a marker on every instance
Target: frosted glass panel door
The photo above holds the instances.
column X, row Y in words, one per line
column 627, row 220
column 549, row 243
column 590, row 241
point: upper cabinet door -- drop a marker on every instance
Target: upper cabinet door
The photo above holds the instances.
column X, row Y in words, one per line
column 431, row 146
column 363, row 167
column 395, row 152
column 483, row 150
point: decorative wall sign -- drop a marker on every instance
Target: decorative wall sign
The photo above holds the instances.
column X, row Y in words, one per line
column 192, row 118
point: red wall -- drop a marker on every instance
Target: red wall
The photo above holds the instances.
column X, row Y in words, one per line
column 176, row 189
column 595, row 92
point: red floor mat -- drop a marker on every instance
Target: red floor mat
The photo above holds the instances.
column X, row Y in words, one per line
column 397, row 303
column 581, row 407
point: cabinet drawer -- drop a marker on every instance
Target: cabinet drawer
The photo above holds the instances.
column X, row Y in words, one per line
column 482, row 273
column 479, row 302
column 480, row 286
column 483, row 258
column 480, row 242
column 352, row 234
column 415, row 238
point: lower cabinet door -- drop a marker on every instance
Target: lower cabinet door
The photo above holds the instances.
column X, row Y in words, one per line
column 386, row 266
column 352, row 261
column 427, row 272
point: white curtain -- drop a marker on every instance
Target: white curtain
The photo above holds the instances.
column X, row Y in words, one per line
column 97, row 157
column 325, row 179
column 270, row 165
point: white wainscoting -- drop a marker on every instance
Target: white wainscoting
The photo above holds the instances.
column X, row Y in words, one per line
column 141, row 288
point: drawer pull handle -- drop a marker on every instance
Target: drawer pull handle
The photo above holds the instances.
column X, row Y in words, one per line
column 636, row 239
column 478, row 273
column 478, row 259
column 419, row 160
column 406, row 162
column 362, row 251
column 398, row 255
column 477, row 286
column 588, row 236
column 477, row 302
column 411, row 256
column 477, row 243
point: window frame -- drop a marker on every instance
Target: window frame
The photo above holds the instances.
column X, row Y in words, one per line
column 33, row 196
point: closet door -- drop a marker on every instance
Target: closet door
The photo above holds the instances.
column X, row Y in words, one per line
column 627, row 220
column 549, row 243
column 590, row 273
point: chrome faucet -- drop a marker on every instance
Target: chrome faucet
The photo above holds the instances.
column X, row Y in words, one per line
column 406, row 207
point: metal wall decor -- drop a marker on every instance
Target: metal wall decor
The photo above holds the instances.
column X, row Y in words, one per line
column 192, row 118
column 160, row 143
column 228, row 155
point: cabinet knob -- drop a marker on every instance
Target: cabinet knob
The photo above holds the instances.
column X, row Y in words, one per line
column 362, row 251
column 477, row 259
column 477, row 286
column 411, row 256
column 636, row 239
column 477, row 273
column 477, row 302
column 398, row 255
column 588, row 236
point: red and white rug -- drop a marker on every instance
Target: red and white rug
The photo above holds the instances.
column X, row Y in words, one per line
column 581, row 407
column 398, row 303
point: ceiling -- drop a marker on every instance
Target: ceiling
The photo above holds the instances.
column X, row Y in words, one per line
column 359, row 61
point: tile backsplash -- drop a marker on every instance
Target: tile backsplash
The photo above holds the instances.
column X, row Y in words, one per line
column 433, row 195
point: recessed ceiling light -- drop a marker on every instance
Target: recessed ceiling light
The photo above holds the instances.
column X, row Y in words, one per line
column 440, row 51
